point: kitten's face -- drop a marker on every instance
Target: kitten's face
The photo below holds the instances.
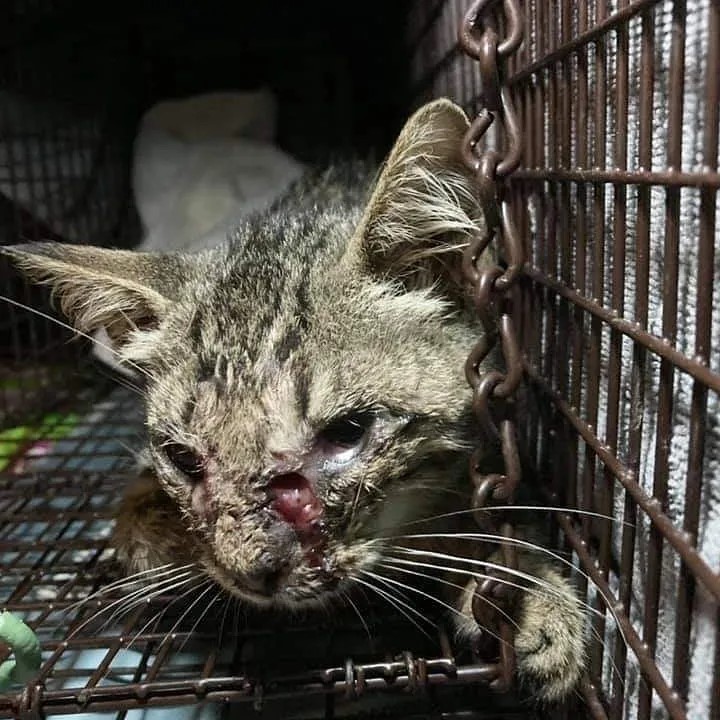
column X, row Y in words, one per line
column 305, row 393
column 293, row 438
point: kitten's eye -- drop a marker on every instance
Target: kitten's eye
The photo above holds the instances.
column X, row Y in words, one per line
column 187, row 461
column 345, row 435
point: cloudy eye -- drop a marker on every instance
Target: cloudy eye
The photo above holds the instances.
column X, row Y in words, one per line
column 345, row 436
column 186, row 460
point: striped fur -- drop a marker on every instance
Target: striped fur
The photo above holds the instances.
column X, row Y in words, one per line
column 345, row 297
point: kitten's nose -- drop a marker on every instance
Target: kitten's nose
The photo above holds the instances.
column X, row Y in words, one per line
column 295, row 501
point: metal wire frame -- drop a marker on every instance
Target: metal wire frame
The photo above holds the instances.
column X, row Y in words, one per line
column 65, row 158
column 591, row 352
column 54, row 529
column 569, row 88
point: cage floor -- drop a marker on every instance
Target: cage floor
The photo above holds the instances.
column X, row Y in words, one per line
column 187, row 652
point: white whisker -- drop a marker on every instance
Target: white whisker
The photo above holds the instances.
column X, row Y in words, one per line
column 206, row 609
column 493, row 508
column 494, row 566
column 228, row 601
column 140, row 598
column 435, row 578
column 472, row 573
column 158, row 571
column 155, row 619
column 67, row 326
column 208, row 584
column 396, row 603
column 346, row 597
column 150, row 590
column 517, row 542
column 449, row 607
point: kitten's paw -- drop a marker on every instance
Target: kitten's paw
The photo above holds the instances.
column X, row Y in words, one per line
column 550, row 638
column 549, row 633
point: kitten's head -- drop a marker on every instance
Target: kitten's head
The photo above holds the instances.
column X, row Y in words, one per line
column 305, row 388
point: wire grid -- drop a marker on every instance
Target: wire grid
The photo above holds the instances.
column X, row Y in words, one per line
column 117, row 650
column 56, row 504
column 570, row 85
column 618, row 199
column 65, row 138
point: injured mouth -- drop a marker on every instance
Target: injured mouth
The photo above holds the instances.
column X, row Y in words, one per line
column 294, row 500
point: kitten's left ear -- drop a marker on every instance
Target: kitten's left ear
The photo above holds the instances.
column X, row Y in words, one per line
column 121, row 291
column 424, row 208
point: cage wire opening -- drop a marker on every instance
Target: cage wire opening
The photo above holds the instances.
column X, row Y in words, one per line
column 616, row 202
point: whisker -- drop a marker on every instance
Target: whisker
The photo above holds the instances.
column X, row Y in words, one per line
column 206, row 609
column 396, row 603
column 65, row 325
column 238, row 612
column 154, row 589
column 489, row 537
column 139, row 598
column 158, row 616
column 137, row 584
column 549, row 508
column 449, row 607
column 485, row 576
column 454, row 585
column 118, row 585
column 353, row 509
column 209, row 584
column 501, row 568
column 159, row 571
column 123, row 382
column 228, row 601
column 348, row 599
column 549, row 588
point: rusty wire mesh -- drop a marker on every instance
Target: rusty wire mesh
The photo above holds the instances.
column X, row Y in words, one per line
column 63, row 476
column 619, row 101
column 55, row 521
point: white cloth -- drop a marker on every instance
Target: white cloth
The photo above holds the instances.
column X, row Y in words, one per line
column 202, row 164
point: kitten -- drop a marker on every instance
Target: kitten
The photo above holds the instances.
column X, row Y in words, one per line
column 307, row 410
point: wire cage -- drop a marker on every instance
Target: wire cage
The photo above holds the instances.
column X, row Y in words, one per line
column 616, row 200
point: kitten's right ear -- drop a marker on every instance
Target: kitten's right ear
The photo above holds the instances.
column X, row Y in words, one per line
column 121, row 291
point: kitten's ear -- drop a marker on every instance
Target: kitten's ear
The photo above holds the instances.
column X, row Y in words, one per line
column 424, row 208
column 118, row 290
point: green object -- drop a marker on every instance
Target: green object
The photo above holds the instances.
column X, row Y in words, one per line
column 26, row 649
column 52, row 427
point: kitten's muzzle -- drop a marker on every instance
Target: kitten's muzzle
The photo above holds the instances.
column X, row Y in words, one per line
column 293, row 535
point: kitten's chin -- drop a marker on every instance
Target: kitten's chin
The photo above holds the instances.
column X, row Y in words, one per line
column 311, row 588
column 305, row 586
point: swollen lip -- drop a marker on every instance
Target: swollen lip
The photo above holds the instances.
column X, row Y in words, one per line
column 295, row 502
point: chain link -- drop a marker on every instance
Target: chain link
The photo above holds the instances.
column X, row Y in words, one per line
column 491, row 291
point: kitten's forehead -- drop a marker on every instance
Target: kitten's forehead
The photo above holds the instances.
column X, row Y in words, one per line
column 247, row 342
column 285, row 316
column 264, row 286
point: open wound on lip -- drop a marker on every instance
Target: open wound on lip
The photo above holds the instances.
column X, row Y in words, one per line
column 295, row 501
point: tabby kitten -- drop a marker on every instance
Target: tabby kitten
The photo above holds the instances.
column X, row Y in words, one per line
column 308, row 418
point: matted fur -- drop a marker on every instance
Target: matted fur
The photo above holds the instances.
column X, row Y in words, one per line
column 345, row 300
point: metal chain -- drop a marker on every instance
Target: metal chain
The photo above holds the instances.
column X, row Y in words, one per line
column 493, row 390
